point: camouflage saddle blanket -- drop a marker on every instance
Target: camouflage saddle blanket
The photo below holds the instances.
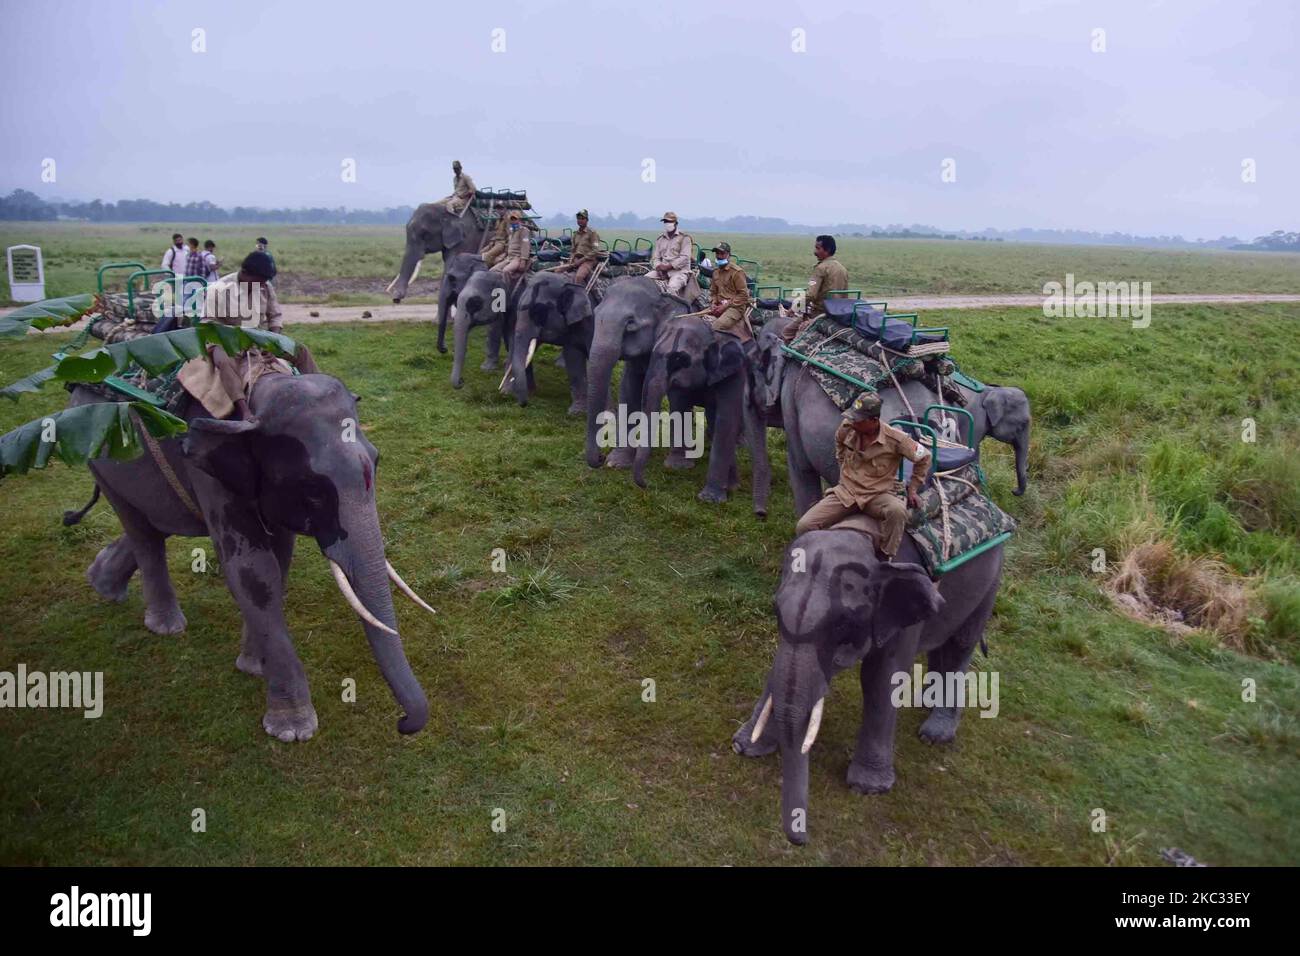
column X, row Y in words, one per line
column 844, row 362
column 116, row 318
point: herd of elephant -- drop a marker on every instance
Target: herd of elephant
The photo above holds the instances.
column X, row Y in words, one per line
column 254, row 486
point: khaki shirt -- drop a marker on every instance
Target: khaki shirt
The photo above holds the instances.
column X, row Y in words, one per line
column 870, row 468
column 674, row 250
column 231, row 302
column 729, row 283
column 463, row 187
column 519, row 244
column 586, row 245
column 829, row 276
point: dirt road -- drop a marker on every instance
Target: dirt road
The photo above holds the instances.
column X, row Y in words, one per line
column 299, row 314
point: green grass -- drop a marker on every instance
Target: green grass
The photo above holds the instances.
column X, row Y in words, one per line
column 535, row 676
column 313, row 261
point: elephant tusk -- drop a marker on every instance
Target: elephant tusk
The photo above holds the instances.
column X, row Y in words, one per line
column 532, row 347
column 418, row 263
column 814, row 725
column 528, row 360
column 406, row 588
column 762, row 720
column 350, row 595
column 393, row 283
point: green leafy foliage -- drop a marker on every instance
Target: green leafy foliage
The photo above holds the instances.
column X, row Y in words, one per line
column 159, row 352
column 47, row 314
column 30, row 383
column 77, row 435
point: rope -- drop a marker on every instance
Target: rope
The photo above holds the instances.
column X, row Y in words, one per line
column 165, row 467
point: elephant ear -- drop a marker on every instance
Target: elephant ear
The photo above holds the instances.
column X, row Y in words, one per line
column 574, row 304
column 723, row 358
column 904, row 595
column 224, row 450
column 453, row 234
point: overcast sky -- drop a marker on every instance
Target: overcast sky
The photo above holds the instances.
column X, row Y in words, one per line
column 1147, row 137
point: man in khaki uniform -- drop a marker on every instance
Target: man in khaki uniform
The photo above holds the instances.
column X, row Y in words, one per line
column 584, row 254
column 462, row 190
column 496, row 247
column 829, row 275
column 519, row 249
column 869, row 453
column 729, row 295
column 671, row 260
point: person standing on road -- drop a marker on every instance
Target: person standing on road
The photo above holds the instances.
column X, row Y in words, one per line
column 174, row 258
column 210, row 262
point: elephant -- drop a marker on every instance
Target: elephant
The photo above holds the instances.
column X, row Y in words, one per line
column 432, row 229
column 836, row 604
column 627, row 319
column 454, row 276
column 485, row 300
column 556, row 310
column 695, row 365
column 794, row 401
column 299, row 466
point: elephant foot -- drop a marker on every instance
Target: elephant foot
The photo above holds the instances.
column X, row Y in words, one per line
column 677, row 460
column 490, row 365
column 760, row 511
column 578, row 408
column 442, row 349
column 111, row 570
column 290, row 723
column 165, row 621
column 742, row 745
column 940, row 727
column 620, row 457
column 249, row 665
column 713, row 496
column 864, row 780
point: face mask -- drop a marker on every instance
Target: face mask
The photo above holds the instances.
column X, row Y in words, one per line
column 670, row 227
column 514, row 226
column 723, row 262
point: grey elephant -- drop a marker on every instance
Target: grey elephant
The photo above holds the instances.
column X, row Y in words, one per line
column 299, row 467
column 433, row 230
column 628, row 320
column 485, row 300
column 837, row 605
column 454, row 276
column 794, row 401
column 554, row 310
column 696, row 366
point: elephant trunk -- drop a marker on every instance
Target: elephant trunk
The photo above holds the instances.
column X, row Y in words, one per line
column 600, row 371
column 465, row 312
column 520, row 352
column 410, row 260
column 656, row 386
column 1021, row 446
column 360, row 560
column 798, row 689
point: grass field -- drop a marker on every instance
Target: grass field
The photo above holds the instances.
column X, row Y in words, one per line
column 353, row 264
column 535, row 676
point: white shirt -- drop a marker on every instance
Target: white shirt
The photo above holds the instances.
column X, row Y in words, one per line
column 174, row 259
column 210, row 263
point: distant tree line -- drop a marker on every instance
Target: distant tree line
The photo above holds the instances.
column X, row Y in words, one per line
column 24, row 205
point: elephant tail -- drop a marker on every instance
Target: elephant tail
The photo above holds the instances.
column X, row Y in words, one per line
column 74, row 517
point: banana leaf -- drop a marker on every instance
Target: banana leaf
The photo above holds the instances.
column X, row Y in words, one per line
column 83, row 433
column 46, row 314
column 31, row 383
column 160, row 351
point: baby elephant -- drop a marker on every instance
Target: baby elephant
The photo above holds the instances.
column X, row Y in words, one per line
column 837, row 605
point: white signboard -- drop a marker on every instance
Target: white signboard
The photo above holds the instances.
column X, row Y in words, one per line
column 26, row 273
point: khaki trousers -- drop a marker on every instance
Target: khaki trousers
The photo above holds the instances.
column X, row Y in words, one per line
column 886, row 507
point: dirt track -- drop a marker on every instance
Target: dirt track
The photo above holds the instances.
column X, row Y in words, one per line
column 301, row 314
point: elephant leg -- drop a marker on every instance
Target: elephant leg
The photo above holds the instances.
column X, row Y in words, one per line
column 953, row 657
column 111, row 570
column 742, row 741
column 162, row 614
column 629, row 395
column 252, row 651
column 805, row 482
column 683, row 410
column 492, row 359
column 722, row 451
column 872, row 767
column 575, row 366
column 756, row 439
